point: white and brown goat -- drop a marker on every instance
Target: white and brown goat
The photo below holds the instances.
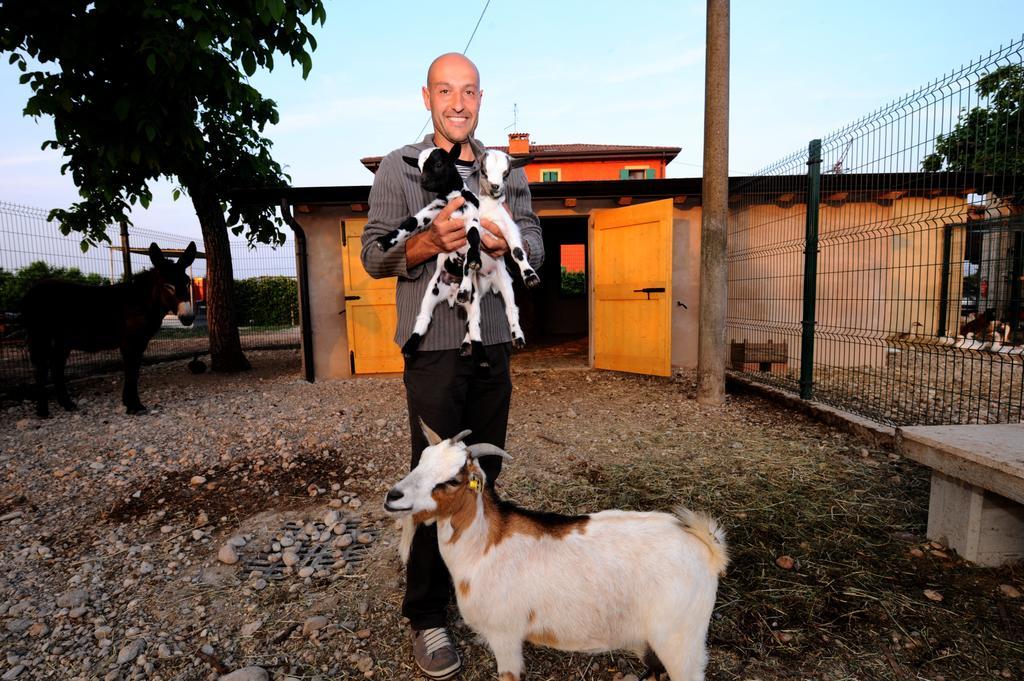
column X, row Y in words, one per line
column 644, row 582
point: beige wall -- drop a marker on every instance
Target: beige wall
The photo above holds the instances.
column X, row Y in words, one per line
column 327, row 291
column 685, row 286
column 879, row 275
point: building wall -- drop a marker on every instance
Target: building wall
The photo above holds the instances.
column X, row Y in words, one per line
column 576, row 171
column 879, row 275
column 880, row 271
column 327, row 291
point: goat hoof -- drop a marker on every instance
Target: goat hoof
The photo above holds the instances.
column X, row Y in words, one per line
column 463, row 296
column 531, row 280
column 466, row 350
column 411, row 345
column 518, row 343
column 473, row 264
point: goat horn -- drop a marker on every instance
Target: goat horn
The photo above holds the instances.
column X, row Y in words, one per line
column 461, row 436
column 484, row 449
column 432, row 437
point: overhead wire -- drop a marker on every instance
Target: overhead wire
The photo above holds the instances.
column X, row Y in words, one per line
column 464, row 51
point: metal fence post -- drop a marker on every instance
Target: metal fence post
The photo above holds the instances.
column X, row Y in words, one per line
column 947, row 253
column 810, row 270
column 126, row 252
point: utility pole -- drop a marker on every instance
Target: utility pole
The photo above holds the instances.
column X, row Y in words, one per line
column 714, row 209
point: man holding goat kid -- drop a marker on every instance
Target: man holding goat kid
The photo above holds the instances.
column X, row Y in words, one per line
column 447, row 391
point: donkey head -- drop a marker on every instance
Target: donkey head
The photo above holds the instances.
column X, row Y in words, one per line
column 173, row 281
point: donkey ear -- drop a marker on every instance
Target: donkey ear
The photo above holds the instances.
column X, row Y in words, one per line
column 188, row 256
column 483, row 449
column 414, row 162
column 432, row 437
column 156, row 256
column 520, row 161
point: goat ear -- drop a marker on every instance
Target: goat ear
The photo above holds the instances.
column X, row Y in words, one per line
column 455, row 151
column 432, row 437
column 188, row 256
column 520, row 161
column 156, row 256
column 483, row 449
column 414, row 162
column 461, row 436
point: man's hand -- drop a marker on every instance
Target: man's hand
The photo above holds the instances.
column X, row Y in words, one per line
column 446, row 233
column 491, row 239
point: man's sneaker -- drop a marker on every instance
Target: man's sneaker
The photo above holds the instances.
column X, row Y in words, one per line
column 434, row 653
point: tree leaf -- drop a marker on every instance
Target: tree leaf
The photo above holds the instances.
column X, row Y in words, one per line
column 175, row 194
column 249, row 63
column 121, row 108
column 151, row 63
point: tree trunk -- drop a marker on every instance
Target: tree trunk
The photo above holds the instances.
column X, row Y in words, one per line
column 225, row 346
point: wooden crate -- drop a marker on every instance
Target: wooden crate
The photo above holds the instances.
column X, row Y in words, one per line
column 759, row 357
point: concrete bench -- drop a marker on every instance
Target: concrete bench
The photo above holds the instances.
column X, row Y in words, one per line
column 977, row 492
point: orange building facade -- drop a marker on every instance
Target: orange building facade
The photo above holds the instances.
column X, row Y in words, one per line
column 581, row 162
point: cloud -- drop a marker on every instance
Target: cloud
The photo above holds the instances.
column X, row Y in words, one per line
column 661, row 67
column 326, row 114
column 25, row 159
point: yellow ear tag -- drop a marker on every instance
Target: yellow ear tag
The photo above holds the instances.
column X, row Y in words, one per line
column 474, row 484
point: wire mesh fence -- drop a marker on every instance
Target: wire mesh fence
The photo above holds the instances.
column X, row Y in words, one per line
column 899, row 296
column 32, row 248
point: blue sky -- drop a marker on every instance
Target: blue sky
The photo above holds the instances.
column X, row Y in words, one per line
column 579, row 71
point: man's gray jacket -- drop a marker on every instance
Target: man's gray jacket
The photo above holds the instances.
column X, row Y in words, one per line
column 396, row 194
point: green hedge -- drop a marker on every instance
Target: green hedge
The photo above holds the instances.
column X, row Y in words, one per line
column 14, row 285
column 267, row 301
column 261, row 301
column 573, row 283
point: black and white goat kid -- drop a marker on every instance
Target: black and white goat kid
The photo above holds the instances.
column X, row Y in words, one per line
column 455, row 277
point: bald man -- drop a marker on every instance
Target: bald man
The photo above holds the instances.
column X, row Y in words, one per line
column 443, row 388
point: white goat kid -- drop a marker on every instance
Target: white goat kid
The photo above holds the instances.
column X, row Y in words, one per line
column 496, row 167
column 644, row 582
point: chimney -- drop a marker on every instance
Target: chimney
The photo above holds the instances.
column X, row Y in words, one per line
column 518, row 143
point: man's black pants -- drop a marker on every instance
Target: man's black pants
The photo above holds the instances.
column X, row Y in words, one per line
column 450, row 394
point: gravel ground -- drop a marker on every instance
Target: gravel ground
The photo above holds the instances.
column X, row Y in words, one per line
column 142, row 547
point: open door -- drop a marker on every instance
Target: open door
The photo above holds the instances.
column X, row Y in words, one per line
column 370, row 313
column 631, row 275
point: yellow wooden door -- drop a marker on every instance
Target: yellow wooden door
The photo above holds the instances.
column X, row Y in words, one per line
column 631, row 266
column 370, row 312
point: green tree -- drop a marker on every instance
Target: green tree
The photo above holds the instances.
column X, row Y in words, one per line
column 14, row 285
column 990, row 138
column 141, row 90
